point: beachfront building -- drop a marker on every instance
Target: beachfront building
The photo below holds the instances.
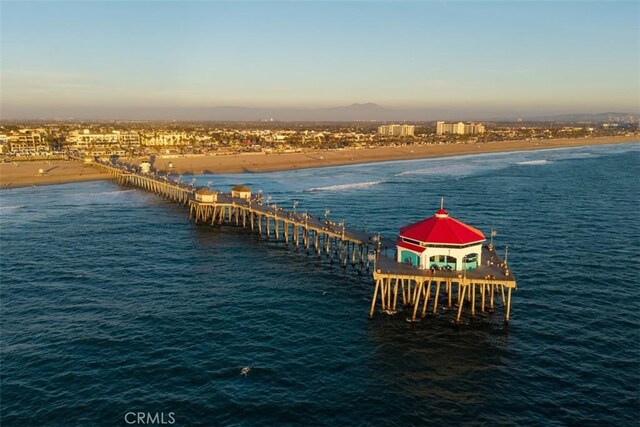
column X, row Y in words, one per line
column 396, row 130
column 241, row 192
column 27, row 143
column 102, row 144
column 4, row 144
column 459, row 128
column 166, row 138
column 440, row 242
column 128, row 139
column 205, row 195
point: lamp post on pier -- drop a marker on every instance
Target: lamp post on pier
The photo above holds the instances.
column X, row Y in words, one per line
column 377, row 240
column 506, row 255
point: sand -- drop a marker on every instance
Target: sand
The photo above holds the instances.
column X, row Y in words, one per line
column 259, row 162
column 26, row 174
column 21, row 174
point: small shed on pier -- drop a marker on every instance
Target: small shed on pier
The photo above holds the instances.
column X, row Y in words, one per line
column 241, row 191
column 205, row 195
column 145, row 167
column 440, row 242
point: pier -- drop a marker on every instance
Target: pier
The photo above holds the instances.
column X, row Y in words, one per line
column 420, row 291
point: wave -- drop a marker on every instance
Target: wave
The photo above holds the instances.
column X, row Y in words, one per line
column 10, row 208
column 533, row 162
column 108, row 193
column 452, row 169
column 342, row 187
column 571, row 156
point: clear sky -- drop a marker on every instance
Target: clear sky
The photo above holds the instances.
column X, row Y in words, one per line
column 547, row 57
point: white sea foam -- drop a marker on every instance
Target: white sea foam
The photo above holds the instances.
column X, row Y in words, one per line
column 451, row 169
column 113, row 193
column 533, row 162
column 342, row 187
column 569, row 156
column 10, row 208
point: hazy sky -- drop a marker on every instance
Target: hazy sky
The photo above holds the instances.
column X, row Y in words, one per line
column 539, row 56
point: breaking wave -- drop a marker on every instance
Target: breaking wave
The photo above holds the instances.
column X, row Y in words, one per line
column 533, row 162
column 342, row 187
column 113, row 193
column 10, row 208
column 452, row 169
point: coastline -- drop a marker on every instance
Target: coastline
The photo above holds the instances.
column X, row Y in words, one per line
column 26, row 174
column 260, row 162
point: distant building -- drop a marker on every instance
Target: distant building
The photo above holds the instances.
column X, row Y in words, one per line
column 396, row 130
column 459, row 128
column 4, row 144
column 131, row 139
column 95, row 143
column 164, row 139
column 27, row 143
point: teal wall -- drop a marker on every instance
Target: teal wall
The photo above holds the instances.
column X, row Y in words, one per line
column 415, row 259
column 472, row 262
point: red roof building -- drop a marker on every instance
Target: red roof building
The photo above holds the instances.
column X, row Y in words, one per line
column 440, row 241
column 442, row 229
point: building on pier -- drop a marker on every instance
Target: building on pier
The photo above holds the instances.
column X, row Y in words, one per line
column 440, row 242
column 205, row 195
column 145, row 167
column 241, row 191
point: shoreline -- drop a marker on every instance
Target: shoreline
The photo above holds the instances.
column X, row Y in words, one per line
column 263, row 163
column 26, row 174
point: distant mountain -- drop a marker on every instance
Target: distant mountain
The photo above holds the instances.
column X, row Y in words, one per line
column 347, row 113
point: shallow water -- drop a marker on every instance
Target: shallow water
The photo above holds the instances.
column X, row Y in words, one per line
column 112, row 301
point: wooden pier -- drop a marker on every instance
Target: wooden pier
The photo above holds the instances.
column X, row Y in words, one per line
column 421, row 291
column 299, row 230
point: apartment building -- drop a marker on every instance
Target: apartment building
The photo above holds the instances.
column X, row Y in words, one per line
column 459, row 128
column 396, row 130
column 26, row 143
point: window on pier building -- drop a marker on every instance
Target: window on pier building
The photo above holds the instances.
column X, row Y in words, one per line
column 470, row 261
column 443, row 261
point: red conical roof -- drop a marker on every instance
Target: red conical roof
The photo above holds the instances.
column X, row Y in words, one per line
column 442, row 229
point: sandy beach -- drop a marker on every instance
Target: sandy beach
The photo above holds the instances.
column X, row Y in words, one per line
column 22, row 174
column 260, row 162
column 26, row 174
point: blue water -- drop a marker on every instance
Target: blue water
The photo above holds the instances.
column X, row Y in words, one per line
column 113, row 302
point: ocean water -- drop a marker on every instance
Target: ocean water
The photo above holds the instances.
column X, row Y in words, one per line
column 111, row 302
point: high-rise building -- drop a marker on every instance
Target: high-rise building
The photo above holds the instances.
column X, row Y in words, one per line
column 459, row 128
column 396, row 130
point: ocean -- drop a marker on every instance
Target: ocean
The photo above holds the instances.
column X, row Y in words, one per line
column 113, row 303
